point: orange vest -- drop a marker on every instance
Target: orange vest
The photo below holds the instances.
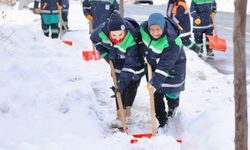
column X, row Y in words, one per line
column 177, row 4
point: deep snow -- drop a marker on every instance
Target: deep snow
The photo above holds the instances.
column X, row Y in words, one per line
column 51, row 99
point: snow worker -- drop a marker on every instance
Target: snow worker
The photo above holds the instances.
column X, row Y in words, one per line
column 178, row 11
column 98, row 11
column 49, row 10
column 202, row 12
column 65, row 12
column 164, row 52
column 116, row 40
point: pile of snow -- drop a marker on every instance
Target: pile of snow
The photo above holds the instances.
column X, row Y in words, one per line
column 49, row 95
column 51, row 99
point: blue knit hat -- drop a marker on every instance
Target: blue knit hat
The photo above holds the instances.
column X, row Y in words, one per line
column 156, row 19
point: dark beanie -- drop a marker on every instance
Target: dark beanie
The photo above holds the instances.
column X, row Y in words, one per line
column 116, row 22
column 156, row 19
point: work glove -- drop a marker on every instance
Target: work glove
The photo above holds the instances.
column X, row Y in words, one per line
column 37, row 10
column 118, row 89
column 212, row 14
column 89, row 17
column 197, row 21
column 151, row 87
column 115, row 90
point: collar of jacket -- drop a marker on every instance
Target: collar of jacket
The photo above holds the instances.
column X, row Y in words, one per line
column 156, row 45
column 127, row 42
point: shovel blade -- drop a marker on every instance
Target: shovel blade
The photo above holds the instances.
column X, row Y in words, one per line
column 141, row 135
column 133, row 141
column 217, row 43
column 91, row 55
column 70, row 43
column 179, row 140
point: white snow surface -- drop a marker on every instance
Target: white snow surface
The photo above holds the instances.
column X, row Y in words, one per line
column 50, row 99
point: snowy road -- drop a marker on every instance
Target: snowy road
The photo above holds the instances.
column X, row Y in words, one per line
column 223, row 62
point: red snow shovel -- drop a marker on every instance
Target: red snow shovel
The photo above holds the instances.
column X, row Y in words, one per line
column 148, row 135
column 91, row 55
column 216, row 42
column 70, row 43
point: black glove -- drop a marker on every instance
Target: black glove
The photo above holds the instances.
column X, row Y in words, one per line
column 118, row 89
column 115, row 90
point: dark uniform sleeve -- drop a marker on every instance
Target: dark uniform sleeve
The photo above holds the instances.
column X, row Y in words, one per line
column 86, row 8
column 99, row 45
column 36, row 4
column 193, row 10
column 166, row 63
column 180, row 12
column 128, row 70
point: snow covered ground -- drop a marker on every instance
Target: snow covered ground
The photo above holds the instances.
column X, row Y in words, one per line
column 50, row 99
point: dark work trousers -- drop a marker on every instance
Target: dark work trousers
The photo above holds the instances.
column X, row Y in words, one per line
column 54, row 30
column 129, row 93
column 159, row 106
column 198, row 36
column 45, row 28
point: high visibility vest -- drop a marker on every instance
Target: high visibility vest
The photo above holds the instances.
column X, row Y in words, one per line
column 177, row 4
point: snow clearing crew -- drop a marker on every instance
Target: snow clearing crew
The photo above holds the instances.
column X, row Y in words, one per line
column 116, row 40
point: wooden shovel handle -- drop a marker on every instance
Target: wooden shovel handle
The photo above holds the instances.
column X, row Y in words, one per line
column 152, row 102
column 61, row 22
column 90, row 31
column 215, row 27
column 119, row 98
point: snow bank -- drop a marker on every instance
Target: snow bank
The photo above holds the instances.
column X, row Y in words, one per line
column 51, row 99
